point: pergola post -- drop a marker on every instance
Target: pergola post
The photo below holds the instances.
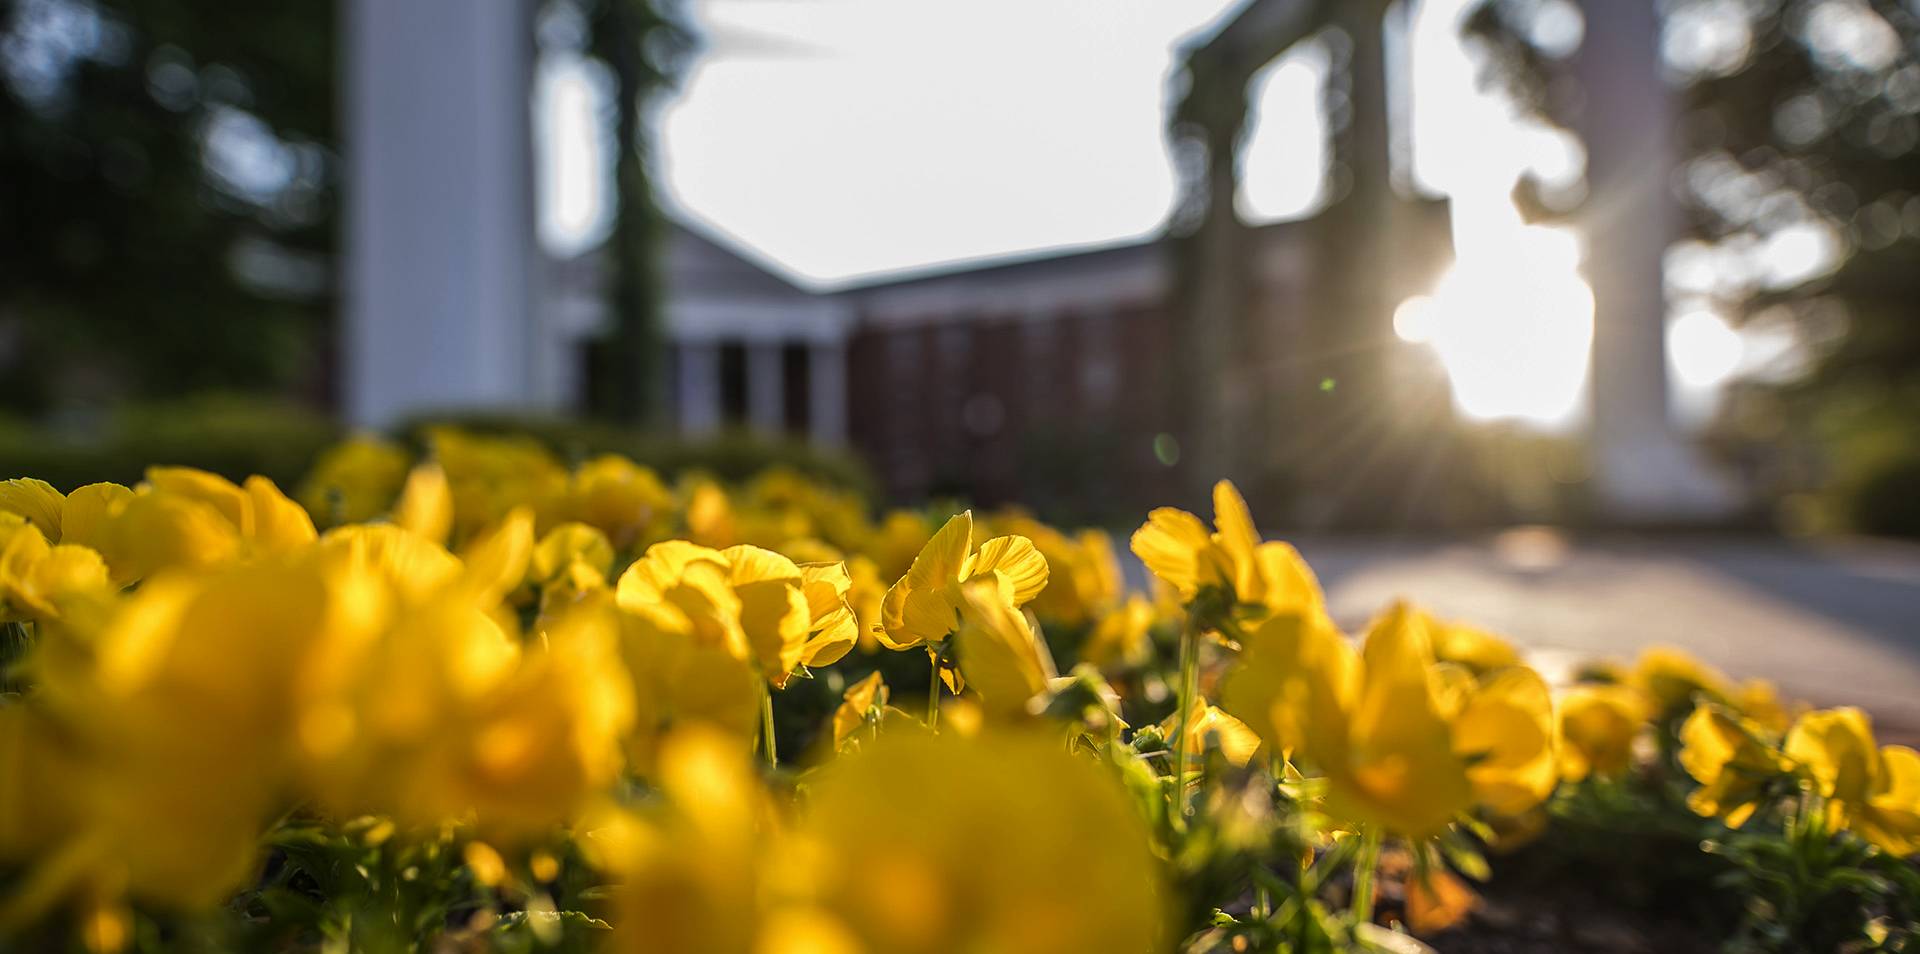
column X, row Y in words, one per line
column 1643, row 469
column 441, row 262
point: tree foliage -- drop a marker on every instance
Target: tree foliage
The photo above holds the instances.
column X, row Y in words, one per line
column 1800, row 183
column 170, row 197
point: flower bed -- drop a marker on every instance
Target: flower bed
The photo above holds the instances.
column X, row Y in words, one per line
column 486, row 700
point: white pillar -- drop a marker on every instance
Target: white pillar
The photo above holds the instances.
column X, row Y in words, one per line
column 827, row 392
column 440, row 259
column 1643, row 469
column 699, row 388
column 765, row 397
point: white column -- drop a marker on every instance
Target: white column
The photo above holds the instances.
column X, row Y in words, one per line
column 765, row 399
column 699, row 388
column 827, row 392
column 1643, row 469
column 440, row 257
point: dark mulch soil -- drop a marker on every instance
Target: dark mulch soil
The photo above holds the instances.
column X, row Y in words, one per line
column 1541, row 902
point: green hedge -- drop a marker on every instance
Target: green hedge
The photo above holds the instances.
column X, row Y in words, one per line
column 730, row 456
column 1888, row 502
column 236, row 436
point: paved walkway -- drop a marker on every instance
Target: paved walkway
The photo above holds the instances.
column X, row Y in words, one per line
column 1833, row 623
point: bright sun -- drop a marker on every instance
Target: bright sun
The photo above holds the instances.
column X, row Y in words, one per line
column 1512, row 324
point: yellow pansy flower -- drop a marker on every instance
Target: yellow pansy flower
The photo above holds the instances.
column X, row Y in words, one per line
column 866, row 591
column 692, row 581
column 82, row 518
column 191, row 518
column 425, row 506
column 693, row 869
column 833, row 628
column 1598, row 725
column 901, row 536
column 1479, row 651
column 1177, row 547
column 414, row 567
column 863, row 701
column 1505, row 733
column 810, row 550
column 1891, row 816
column 1121, row 636
column 186, row 717
column 1230, row 563
column 1293, row 669
column 1735, row 769
column 781, row 612
column 709, row 515
column 36, row 501
column 567, row 545
column 39, row 581
column 683, row 673
column 1391, row 761
column 548, row 738
column 39, row 791
column 354, row 481
column 996, row 650
column 1084, row 575
column 1237, row 742
column 755, row 603
column 1674, row 680
column 1875, row 791
column 923, row 607
column 573, row 559
column 1405, row 744
column 624, row 500
column 1004, row 843
column 1758, row 700
column 494, row 561
column 489, row 476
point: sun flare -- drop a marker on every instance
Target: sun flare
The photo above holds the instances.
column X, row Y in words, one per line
column 1512, row 325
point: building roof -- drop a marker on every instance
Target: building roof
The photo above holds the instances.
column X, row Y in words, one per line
column 697, row 263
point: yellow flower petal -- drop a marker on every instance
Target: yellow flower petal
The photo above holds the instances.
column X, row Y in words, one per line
column 1836, row 749
column 1237, row 540
column 496, row 563
column 1017, row 562
column 997, row 652
column 279, row 524
column 87, row 519
column 425, row 506
column 1506, row 735
column 1174, row 544
column 567, row 545
column 943, row 561
column 37, row 501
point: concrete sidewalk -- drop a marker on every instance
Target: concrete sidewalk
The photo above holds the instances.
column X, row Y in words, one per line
column 1833, row 623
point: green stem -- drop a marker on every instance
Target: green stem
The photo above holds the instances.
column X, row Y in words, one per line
column 933, row 691
column 1189, row 688
column 1363, row 868
column 14, row 643
column 1262, row 897
column 766, row 728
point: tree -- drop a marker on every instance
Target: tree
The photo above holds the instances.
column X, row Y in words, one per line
column 169, row 199
column 644, row 46
column 1801, row 185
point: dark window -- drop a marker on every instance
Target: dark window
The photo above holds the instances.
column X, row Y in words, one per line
column 733, row 384
column 796, row 388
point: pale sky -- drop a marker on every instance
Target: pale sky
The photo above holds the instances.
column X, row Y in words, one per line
column 843, row 138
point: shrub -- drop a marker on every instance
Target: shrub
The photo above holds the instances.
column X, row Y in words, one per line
column 236, row 437
column 1888, row 501
column 731, row 456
